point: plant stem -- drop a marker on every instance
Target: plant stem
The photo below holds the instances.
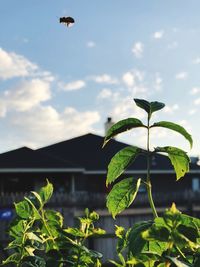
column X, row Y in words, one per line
column 148, row 180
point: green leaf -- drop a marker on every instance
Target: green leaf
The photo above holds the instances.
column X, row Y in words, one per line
column 177, row 262
column 23, row 209
column 122, row 195
column 120, row 162
column 189, row 221
column 18, row 228
column 33, row 236
column 178, row 158
column 54, row 216
column 38, row 197
column 136, row 242
column 34, row 209
column 14, row 258
column 122, row 126
column 33, row 261
column 149, row 107
column 75, row 232
column 46, row 192
column 172, row 217
column 175, row 127
column 156, row 233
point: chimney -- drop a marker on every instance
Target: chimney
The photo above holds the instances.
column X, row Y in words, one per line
column 108, row 124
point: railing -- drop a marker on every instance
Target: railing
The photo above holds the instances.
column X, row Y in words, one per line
column 64, row 201
column 97, row 200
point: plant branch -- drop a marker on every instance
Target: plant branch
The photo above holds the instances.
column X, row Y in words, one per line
column 148, row 180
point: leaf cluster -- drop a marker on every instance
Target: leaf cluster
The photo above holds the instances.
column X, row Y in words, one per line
column 125, row 191
column 40, row 239
column 170, row 240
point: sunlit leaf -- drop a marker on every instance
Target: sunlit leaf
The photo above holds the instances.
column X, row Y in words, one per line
column 120, row 162
column 122, row 195
column 122, row 126
column 177, row 262
column 175, row 127
column 46, row 192
column 156, row 233
column 54, row 216
column 14, row 258
column 18, row 228
column 136, row 241
column 23, row 209
column 33, row 236
column 178, row 158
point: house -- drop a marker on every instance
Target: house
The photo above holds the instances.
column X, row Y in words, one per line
column 77, row 168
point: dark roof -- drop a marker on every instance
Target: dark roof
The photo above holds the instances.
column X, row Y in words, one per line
column 78, row 154
column 27, row 158
column 86, row 151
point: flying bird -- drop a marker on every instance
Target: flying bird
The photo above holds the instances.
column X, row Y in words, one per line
column 68, row 21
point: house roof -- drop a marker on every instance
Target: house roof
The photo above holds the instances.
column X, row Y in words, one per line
column 26, row 158
column 80, row 154
column 86, row 151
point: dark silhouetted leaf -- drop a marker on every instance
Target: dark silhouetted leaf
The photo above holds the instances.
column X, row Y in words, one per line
column 122, row 126
column 149, row 107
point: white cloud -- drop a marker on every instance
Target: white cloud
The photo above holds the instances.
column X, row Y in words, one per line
column 195, row 90
column 192, row 111
column 197, row 101
column 196, row 60
column 158, row 82
column 25, row 96
column 134, row 81
column 129, row 79
column 104, row 78
column 173, row 45
column 14, row 65
column 181, row 75
column 105, row 93
column 171, row 109
column 125, row 108
column 91, row 44
column 138, row 49
column 73, row 86
column 45, row 125
column 158, row 34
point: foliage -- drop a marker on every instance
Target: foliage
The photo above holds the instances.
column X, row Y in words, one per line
column 39, row 238
column 124, row 192
column 170, row 240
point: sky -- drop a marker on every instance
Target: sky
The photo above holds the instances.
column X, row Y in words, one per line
column 59, row 82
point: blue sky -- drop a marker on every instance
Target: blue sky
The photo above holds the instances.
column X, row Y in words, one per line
column 57, row 82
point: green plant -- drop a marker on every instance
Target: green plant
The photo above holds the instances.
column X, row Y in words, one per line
column 39, row 237
column 171, row 240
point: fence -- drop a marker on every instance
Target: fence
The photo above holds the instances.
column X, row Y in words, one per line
column 72, row 205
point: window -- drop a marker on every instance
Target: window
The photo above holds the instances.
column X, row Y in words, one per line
column 195, row 184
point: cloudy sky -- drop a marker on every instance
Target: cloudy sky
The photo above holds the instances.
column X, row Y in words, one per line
column 57, row 82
